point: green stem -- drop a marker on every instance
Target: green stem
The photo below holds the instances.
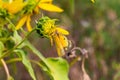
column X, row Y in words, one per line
column 19, row 59
column 33, row 7
column 75, row 60
column 35, row 51
column 25, row 38
column 13, row 60
column 9, row 51
column 36, row 62
column 10, row 23
column 36, row 4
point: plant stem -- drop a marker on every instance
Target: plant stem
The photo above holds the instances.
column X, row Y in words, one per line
column 19, row 59
column 10, row 23
column 75, row 60
column 35, row 51
column 6, row 68
column 13, row 60
column 9, row 51
column 36, row 62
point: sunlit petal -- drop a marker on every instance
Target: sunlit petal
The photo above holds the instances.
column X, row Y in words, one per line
column 44, row 1
column 62, row 31
column 64, row 41
column 50, row 7
column 21, row 22
column 29, row 27
column 14, row 6
column 59, row 46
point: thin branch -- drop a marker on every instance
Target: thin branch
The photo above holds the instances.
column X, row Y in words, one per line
column 6, row 68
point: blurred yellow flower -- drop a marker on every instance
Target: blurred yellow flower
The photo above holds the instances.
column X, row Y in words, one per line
column 25, row 19
column 42, row 4
column 46, row 28
column 93, row 1
column 1, row 3
column 14, row 6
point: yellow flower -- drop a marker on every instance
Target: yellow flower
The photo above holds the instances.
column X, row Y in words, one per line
column 13, row 6
column 25, row 19
column 43, row 4
column 46, row 28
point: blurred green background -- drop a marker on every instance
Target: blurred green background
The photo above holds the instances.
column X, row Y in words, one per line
column 95, row 27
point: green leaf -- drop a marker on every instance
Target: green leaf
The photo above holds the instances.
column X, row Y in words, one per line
column 9, row 44
column 26, row 63
column 17, row 38
column 1, row 48
column 34, row 50
column 58, row 68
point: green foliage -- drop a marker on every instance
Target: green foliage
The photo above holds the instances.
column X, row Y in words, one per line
column 57, row 68
column 26, row 62
column 14, row 40
column 1, row 48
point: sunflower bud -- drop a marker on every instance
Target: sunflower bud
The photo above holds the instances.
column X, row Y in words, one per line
column 45, row 26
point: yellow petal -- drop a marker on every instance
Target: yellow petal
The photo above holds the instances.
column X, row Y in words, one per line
column 28, row 23
column 59, row 46
column 44, row 1
column 21, row 22
column 64, row 41
column 62, row 31
column 14, row 6
column 50, row 7
column 51, row 41
column 1, row 3
column 36, row 10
